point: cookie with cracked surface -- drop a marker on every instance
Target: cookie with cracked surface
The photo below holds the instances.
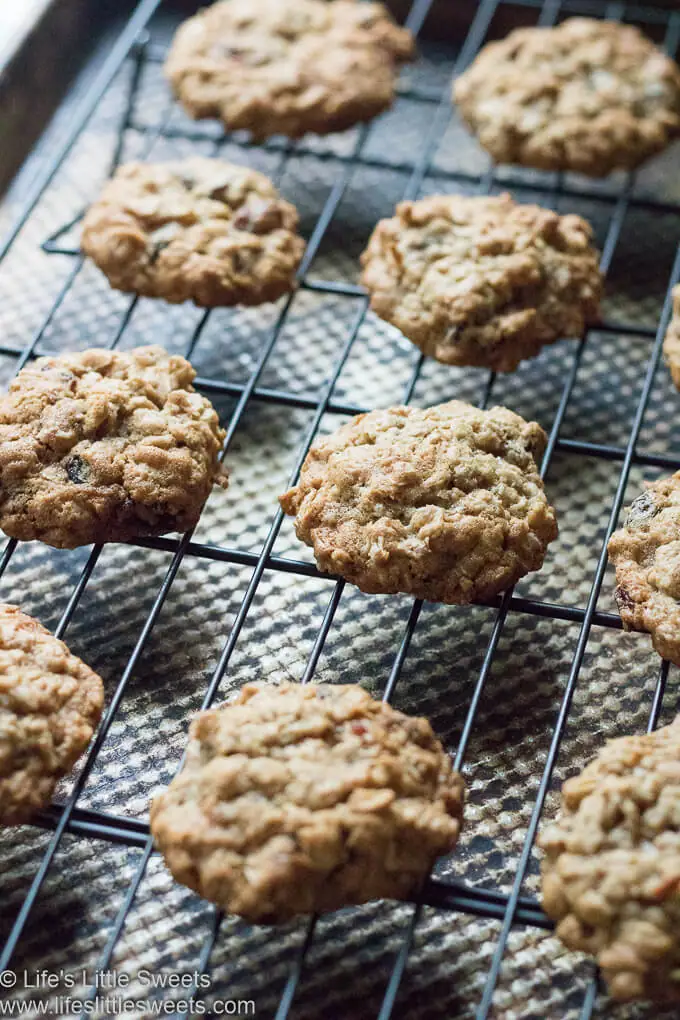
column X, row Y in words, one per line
column 671, row 343
column 105, row 446
column 646, row 555
column 482, row 281
column 611, row 877
column 288, row 66
column 303, row 798
column 199, row 230
column 444, row 503
column 589, row 96
column 50, row 704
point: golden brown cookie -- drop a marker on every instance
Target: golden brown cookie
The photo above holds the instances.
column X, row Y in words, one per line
column 50, row 704
column 288, row 66
column 611, row 878
column 296, row 799
column 671, row 343
column 105, row 446
column 646, row 554
column 482, row 281
column 591, row 96
column 198, row 230
column 444, row 503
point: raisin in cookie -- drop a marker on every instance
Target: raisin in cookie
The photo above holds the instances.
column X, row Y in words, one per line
column 671, row 344
column 103, row 447
column 296, row 799
column 50, row 704
column 445, row 503
column 646, row 554
column 611, row 878
column 590, row 96
column 288, row 66
column 199, row 230
column 482, row 281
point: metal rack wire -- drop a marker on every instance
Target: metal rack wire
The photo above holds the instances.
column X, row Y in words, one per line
column 511, row 909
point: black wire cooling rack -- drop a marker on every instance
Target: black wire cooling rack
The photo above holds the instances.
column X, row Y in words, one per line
column 138, row 53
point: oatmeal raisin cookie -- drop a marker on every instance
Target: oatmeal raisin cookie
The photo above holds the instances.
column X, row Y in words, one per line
column 105, row 446
column 482, row 281
column 444, row 503
column 198, row 230
column 611, row 878
column 50, row 704
column 590, row 96
column 288, row 66
column 671, row 344
column 646, row 554
column 303, row 798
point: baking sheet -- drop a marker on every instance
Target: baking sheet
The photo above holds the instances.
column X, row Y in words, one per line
column 352, row 954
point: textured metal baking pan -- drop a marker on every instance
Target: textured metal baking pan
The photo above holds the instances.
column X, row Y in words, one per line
column 522, row 691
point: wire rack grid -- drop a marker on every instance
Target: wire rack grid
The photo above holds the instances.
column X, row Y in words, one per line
column 267, row 575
